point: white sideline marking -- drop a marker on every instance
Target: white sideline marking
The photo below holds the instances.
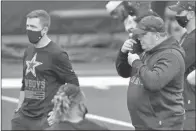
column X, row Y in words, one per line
column 10, row 99
column 90, row 116
column 99, row 82
column 111, row 121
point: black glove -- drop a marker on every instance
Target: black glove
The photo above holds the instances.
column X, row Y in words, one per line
column 137, row 48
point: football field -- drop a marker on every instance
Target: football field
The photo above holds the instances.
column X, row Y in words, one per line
column 106, row 98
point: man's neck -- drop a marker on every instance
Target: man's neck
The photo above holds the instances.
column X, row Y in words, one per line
column 191, row 26
column 43, row 42
column 158, row 43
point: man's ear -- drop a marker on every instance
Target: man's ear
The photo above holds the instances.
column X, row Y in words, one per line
column 45, row 30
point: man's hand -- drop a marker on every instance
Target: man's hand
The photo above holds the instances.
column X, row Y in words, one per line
column 51, row 118
column 127, row 46
column 16, row 110
column 21, row 99
column 132, row 57
column 18, row 107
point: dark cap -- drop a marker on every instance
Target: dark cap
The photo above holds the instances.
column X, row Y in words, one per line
column 183, row 5
column 149, row 24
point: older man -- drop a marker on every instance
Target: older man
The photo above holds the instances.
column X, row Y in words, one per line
column 46, row 66
column 154, row 96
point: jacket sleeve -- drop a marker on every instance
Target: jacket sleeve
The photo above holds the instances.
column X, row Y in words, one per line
column 165, row 69
column 23, row 72
column 189, row 48
column 122, row 66
column 63, row 69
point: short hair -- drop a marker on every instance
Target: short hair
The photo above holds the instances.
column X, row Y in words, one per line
column 42, row 15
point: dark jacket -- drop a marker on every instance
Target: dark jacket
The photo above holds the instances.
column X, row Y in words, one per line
column 44, row 71
column 190, row 64
column 154, row 96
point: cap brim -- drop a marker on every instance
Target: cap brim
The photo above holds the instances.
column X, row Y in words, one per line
column 176, row 8
column 138, row 31
column 112, row 5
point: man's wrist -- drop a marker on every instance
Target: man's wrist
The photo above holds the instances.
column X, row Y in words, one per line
column 16, row 110
column 18, row 107
column 124, row 52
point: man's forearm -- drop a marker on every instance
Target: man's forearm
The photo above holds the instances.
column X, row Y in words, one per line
column 21, row 99
column 122, row 66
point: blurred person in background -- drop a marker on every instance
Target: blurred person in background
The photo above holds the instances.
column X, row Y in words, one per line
column 156, row 78
column 186, row 18
column 130, row 13
column 172, row 26
column 46, row 66
column 191, row 77
column 70, row 110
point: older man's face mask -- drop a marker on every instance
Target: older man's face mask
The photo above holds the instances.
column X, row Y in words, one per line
column 182, row 18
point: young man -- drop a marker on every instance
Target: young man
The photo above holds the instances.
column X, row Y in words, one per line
column 186, row 18
column 69, row 111
column 46, row 66
column 154, row 96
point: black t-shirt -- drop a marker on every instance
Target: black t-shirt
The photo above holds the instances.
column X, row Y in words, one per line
column 82, row 125
column 189, row 90
column 44, row 71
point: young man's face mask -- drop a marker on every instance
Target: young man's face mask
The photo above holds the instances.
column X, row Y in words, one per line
column 34, row 36
column 182, row 18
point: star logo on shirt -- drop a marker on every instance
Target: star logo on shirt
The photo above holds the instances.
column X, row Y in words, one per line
column 32, row 64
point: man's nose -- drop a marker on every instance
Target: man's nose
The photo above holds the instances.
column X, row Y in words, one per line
column 28, row 28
